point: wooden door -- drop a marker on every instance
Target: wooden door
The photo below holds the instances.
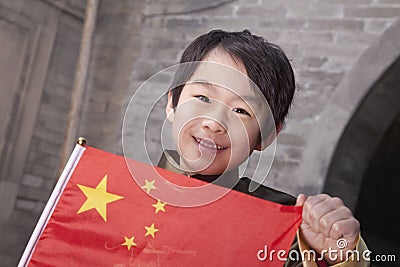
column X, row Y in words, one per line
column 27, row 33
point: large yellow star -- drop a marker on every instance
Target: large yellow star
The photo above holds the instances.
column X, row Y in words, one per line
column 149, row 185
column 97, row 198
column 150, row 230
column 129, row 242
column 159, row 206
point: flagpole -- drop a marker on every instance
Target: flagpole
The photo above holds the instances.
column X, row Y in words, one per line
column 53, row 200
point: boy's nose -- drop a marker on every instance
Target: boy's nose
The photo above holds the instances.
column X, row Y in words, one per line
column 213, row 126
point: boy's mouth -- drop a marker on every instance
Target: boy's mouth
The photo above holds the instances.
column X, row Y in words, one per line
column 208, row 143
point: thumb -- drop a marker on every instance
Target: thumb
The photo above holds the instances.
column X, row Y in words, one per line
column 301, row 199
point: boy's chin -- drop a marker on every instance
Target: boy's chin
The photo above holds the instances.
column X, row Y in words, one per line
column 211, row 171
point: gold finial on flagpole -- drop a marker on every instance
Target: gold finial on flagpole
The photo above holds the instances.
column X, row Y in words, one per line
column 81, row 141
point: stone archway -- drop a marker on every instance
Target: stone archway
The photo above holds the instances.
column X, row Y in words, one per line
column 363, row 136
column 326, row 140
column 365, row 168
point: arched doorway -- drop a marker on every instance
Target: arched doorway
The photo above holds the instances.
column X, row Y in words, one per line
column 362, row 136
column 326, row 136
column 355, row 141
column 365, row 169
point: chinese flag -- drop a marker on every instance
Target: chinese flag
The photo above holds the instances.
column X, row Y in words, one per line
column 105, row 218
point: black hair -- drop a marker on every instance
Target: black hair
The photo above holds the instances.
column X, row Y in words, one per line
column 266, row 65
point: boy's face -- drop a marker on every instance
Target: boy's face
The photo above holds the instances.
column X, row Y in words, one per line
column 216, row 122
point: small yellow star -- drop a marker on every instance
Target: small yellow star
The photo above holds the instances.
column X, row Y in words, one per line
column 149, row 185
column 97, row 198
column 129, row 242
column 159, row 206
column 150, row 230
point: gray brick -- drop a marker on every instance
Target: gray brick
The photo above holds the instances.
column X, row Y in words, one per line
column 185, row 23
column 322, row 76
column 162, row 7
column 263, row 11
column 341, row 62
column 41, row 171
column 376, row 26
column 52, row 133
column 25, row 204
column 304, row 37
column 227, row 25
column 318, row 86
column 34, row 195
column 205, row 4
column 372, row 12
column 222, row 11
column 286, row 166
column 291, row 49
column 51, row 121
column 314, row 61
column 44, row 158
column 290, row 139
column 333, row 50
column 389, row 2
column 43, row 144
column 315, row 11
column 352, row 39
column 104, row 20
column 293, row 153
column 306, row 112
column 335, row 25
column 282, row 23
column 32, row 181
column 57, row 107
column 253, row 3
column 346, row 2
column 275, row 3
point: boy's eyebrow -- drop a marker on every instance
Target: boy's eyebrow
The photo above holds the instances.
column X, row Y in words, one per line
column 208, row 84
column 246, row 98
column 251, row 99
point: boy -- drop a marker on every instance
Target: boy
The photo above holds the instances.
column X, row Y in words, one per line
column 219, row 119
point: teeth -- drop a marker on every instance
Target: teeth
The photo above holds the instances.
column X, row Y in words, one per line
column 208, row 144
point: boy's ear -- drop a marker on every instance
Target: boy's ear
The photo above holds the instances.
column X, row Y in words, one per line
column 263, row 144
column 169, row 110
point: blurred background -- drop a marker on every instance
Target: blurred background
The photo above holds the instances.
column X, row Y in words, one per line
column 342, row 135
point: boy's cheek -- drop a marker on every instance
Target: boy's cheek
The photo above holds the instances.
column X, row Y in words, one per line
column 185, row 113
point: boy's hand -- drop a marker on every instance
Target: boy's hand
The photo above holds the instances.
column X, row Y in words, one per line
column 325, row 221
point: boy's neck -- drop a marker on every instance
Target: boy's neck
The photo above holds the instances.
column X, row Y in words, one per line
column 170, row 161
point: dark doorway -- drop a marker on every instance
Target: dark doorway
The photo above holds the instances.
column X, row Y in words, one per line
column 378, row 202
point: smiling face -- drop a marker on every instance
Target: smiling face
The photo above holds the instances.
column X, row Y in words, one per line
column 216, row 122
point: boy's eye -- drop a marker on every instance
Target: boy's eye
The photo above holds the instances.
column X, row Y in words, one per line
column 203, row 98
column 241, row 111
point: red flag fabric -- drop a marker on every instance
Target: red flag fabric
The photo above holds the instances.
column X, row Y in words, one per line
column 104, row 218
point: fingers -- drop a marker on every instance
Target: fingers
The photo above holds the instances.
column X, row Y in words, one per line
column 325, row 213
column 328, row 216
column 301, row 199
column 347, row 228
